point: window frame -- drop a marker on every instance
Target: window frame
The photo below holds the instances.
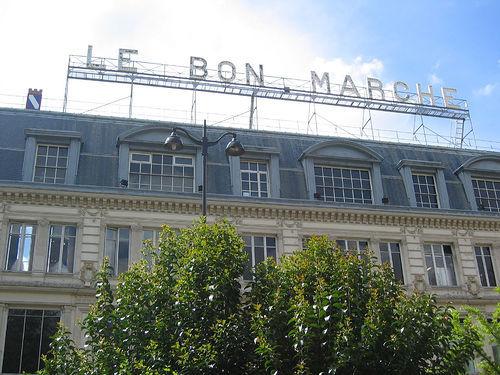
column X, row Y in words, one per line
column 56, row 167
column 252, row 262
column 341, row 168
column 115, row 266
column 484, row 166
column 454, row 264
column 173, row 165
column 358, row 249
column 343, row 154
column 480, row 200
column 22, row 239
column 416, row 173
column 60, row 138
column 40, row 339
column 390, row 253
column 148, row 139
column 61, row 248
column 258, row 172
column 267, row 155
column 492, row 260
column 409, row 167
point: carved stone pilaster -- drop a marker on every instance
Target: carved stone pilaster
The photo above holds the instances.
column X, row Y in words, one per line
column 43, row 222
column 87, row 273
column 136, row 227
column 472, row 285
column 419, row 283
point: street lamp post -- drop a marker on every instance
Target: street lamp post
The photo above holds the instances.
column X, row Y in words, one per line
column 174, row 143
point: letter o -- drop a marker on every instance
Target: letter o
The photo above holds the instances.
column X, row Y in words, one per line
column 233, row 71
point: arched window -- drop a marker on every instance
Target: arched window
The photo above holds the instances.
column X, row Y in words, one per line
column 342, row 172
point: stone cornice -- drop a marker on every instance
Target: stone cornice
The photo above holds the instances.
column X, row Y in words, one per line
column 236, row 207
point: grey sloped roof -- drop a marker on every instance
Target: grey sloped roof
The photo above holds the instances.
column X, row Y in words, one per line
column 98, row 163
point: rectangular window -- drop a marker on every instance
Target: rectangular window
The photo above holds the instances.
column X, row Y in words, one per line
column 425, row 190
column 20, row 247
column 254, row 179
column 161, row 172
column 62, row 239
column 357, row 246
column 487, row 193
column 117, row 249
column 28, row 338
column 258, row 249
column 485, row 265
column 150, row 235
column 343, row 185
column 439, row 263
column 390, row 252
column 153, row 236
column 50, row 164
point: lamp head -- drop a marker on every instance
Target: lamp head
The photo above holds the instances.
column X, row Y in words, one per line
column 234, row 148
column 173, row 142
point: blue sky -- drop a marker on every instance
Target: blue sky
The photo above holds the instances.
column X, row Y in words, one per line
column 453, row 43
column 446, row 43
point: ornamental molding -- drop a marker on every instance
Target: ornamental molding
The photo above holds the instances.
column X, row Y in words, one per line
column 97, row 205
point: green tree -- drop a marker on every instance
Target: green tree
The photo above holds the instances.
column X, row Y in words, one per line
column 182, row 314
column 321, row 311
column 318, row 311
column 489, row 329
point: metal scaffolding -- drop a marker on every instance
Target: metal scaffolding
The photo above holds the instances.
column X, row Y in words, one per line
column 178, row 77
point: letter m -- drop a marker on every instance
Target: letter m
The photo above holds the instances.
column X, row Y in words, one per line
column 325, row 80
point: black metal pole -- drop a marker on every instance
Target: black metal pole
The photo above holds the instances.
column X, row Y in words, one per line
column 204, row 153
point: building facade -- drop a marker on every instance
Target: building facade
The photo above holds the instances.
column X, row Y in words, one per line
column 75, row 188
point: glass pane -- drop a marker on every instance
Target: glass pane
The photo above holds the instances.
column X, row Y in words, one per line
column 482, row 273
column 13, row 344
column 430, row 270
column 271, row 252
column 259, row 254
column 110, row 247
column 14, row 244
column 451, row 280
column 68, row 255
column 123, row 251
column 27, row 251
column 31, row 344
column 184, row 161
column 427, row 249
column 54, row 249
column 384, row 253
column 490, row 271
column 271, row 241
column 70, row 230
column 42, row 150
column 49, row 329
column 140, row 157
column 397, row 266
column 147, row 235
column 52, row 151
column 258, row 241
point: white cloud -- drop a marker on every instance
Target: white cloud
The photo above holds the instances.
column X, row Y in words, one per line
column 170, row 32
column 434, row 79
column 486, row 90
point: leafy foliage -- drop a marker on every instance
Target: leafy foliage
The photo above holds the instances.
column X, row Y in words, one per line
column 319, row 311
column 182, row 314
column 489, row 330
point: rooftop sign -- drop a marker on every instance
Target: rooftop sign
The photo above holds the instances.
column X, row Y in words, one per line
column 226, row 78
